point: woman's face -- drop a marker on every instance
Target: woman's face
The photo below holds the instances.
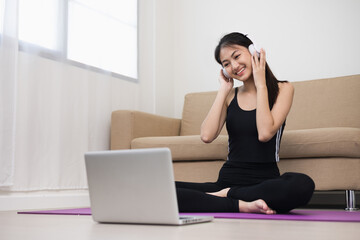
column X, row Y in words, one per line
column 236, row 60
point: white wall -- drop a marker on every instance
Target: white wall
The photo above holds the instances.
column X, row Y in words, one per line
column 304, row 40
column 156, row 57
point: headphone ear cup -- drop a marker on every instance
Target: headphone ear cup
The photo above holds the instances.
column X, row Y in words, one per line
column 253, row 50
column 225, row 73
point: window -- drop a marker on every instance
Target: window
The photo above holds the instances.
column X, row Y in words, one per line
column 98, row 33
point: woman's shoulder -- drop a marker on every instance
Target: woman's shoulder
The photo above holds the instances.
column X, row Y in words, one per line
column 285, row 86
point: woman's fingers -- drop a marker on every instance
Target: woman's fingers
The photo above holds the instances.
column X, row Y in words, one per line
column 259, row 63
column 255, row 58
column 253, row 62
column 262, row 58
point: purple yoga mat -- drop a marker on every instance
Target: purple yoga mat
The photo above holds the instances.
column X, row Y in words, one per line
column 295, row 215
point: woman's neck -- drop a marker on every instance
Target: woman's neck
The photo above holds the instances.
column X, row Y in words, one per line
column 249, row 86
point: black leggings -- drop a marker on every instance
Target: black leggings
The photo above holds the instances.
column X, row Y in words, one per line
column 282, row 194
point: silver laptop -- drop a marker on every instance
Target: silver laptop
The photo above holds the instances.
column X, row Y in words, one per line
column 134, row 186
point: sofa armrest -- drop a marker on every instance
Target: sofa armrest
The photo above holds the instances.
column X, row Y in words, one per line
column 127, row 125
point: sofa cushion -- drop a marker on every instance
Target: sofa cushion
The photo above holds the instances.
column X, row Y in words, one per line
column 324, row 103
column 335, row 173
column 196, row 107
column 321, row 142
column 187, row 147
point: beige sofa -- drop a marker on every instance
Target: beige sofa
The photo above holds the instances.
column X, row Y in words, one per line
column 321, row 137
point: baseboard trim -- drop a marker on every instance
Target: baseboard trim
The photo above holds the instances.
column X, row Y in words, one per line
column 40, row 200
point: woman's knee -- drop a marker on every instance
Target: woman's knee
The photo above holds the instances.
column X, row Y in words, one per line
column 302, row 187
column 297, row 192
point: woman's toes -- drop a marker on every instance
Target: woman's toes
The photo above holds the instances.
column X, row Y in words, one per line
column 257, row 206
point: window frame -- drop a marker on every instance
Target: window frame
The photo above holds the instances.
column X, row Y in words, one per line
column 61, row 55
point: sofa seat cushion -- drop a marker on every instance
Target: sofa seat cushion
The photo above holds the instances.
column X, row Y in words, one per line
column 321, row 142
column 187, row 147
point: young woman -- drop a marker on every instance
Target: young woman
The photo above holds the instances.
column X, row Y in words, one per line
column 255, row 115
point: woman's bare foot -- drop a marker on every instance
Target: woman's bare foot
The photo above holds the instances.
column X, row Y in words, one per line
column 221, row 193
column 257, row 206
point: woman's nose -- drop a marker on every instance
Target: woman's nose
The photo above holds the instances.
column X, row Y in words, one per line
column 234, row 65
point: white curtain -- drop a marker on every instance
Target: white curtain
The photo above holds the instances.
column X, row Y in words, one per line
column 8, row 91
column 51, row 114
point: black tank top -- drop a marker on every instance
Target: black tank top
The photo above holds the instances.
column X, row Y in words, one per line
column 244, row 146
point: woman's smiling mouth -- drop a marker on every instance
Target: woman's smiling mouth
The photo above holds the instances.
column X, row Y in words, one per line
column 240, row 72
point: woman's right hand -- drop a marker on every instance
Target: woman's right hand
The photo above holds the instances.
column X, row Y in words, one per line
column 215, row 119
column 226, row 84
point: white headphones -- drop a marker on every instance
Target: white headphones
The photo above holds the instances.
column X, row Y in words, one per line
column 254, row 49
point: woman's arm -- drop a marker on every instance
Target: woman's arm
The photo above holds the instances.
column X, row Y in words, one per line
column 215, row 119
column 268, row 122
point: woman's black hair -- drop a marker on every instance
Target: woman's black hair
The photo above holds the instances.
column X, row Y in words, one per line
column 236, row 38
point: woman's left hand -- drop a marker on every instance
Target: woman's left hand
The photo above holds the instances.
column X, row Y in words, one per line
column 258, row 67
